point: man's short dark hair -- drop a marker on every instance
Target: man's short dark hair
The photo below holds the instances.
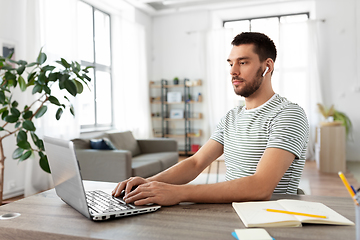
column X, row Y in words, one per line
column 264, row 46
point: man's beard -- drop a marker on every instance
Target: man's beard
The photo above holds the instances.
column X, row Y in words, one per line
column 250, row 87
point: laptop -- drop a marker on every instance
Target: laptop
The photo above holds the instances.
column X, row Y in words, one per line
column 96, row 205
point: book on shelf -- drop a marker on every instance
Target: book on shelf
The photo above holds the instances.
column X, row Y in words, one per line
column 255, row 214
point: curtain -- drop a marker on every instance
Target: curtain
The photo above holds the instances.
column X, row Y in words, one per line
column 219, row 94
column 298, row 77
column 130, row 82
column 57, row 36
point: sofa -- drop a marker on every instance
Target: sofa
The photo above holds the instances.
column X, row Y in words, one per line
column 115, row 156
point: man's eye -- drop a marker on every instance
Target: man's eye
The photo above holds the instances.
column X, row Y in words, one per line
column 242, row 63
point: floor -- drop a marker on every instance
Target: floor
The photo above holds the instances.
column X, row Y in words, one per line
column 312, row 182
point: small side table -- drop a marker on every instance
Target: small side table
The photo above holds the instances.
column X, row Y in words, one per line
column 330, row 150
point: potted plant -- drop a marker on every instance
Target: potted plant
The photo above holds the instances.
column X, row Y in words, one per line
column 176, row 81
column 35, row 78
column 334, row 117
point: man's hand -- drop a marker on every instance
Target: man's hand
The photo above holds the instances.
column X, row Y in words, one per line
column 127, row 185
column 155, row 192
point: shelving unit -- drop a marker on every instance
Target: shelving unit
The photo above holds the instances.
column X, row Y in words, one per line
column 167, row 128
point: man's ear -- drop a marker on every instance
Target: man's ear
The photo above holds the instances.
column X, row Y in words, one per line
column 270, row 64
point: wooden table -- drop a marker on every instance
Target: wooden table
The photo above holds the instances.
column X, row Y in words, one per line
column 45, row 216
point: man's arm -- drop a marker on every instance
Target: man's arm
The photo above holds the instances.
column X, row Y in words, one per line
column 188, row 169
column 182, row 172
column 259, row 186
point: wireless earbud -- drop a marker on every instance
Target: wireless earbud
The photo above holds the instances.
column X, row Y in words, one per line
column 266, row 69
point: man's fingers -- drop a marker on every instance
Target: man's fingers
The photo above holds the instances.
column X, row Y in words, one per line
column 144, row 201
column 117, row 191
column 136, row 196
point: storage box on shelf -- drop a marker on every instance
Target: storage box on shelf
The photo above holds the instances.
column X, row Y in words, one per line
column 173, row 112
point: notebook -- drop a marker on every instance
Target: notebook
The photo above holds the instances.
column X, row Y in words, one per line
column 254, row 214
column 96, row 205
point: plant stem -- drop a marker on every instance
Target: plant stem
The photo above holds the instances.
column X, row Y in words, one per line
column 2, row 160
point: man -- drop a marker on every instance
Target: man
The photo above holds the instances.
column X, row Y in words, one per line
column 264, row 142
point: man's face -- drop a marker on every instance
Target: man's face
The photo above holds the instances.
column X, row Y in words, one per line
column 246, row 70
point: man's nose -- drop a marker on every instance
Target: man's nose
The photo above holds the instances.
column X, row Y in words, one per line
column 234, row 70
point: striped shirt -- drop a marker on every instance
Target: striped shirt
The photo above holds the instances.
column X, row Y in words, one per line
column 245, row 134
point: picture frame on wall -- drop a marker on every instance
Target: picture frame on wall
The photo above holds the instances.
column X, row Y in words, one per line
column 6, row 48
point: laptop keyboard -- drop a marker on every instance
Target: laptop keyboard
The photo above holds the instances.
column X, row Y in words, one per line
column 102, row 202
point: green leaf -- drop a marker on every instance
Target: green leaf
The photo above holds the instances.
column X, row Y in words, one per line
column 31, row 76
column 21, row 136
column 2, row 97
column 40, row 144
column 22, row 62
column 34, row 137
column 11, row 119
column 20, row 70
column 42, row 78
column 59, row 112
column 17, row 124
column 17, row 153
column 72, row 111
column 2, row 129
column 27, row 114
column 71, row 87
column 25, row 156
column 2, row 110
column 24, row 145
column 4, row 114
column 47, row 89
column 9, row 76
column 15, row 112
column 53, row 77
column 37, row 88
column 15, row 104
column 79, row 86
column 22, row 83
column 47, row 68
column 87, row 77
column 62, row 79
column 41, row 58
column 65, row 63
column 44, row 164
column 32, row 64
column 29, row 125
column 41, row 112
column 54, row 100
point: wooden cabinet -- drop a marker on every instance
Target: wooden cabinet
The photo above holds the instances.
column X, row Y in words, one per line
column 330, row 149
column 175, row 114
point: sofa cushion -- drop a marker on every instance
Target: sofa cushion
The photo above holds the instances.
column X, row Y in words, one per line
column 145, row 168
column 102, row 144
column 125, row 141
column 84, row 143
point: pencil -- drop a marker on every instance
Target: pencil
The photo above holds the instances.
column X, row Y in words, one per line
column 348, row 187
column 295, row 213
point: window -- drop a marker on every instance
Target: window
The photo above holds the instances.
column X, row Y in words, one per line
column 94, row 46
column 290, row 39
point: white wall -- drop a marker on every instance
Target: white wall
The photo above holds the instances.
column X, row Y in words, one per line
column 175, row 53
column 13, row 30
